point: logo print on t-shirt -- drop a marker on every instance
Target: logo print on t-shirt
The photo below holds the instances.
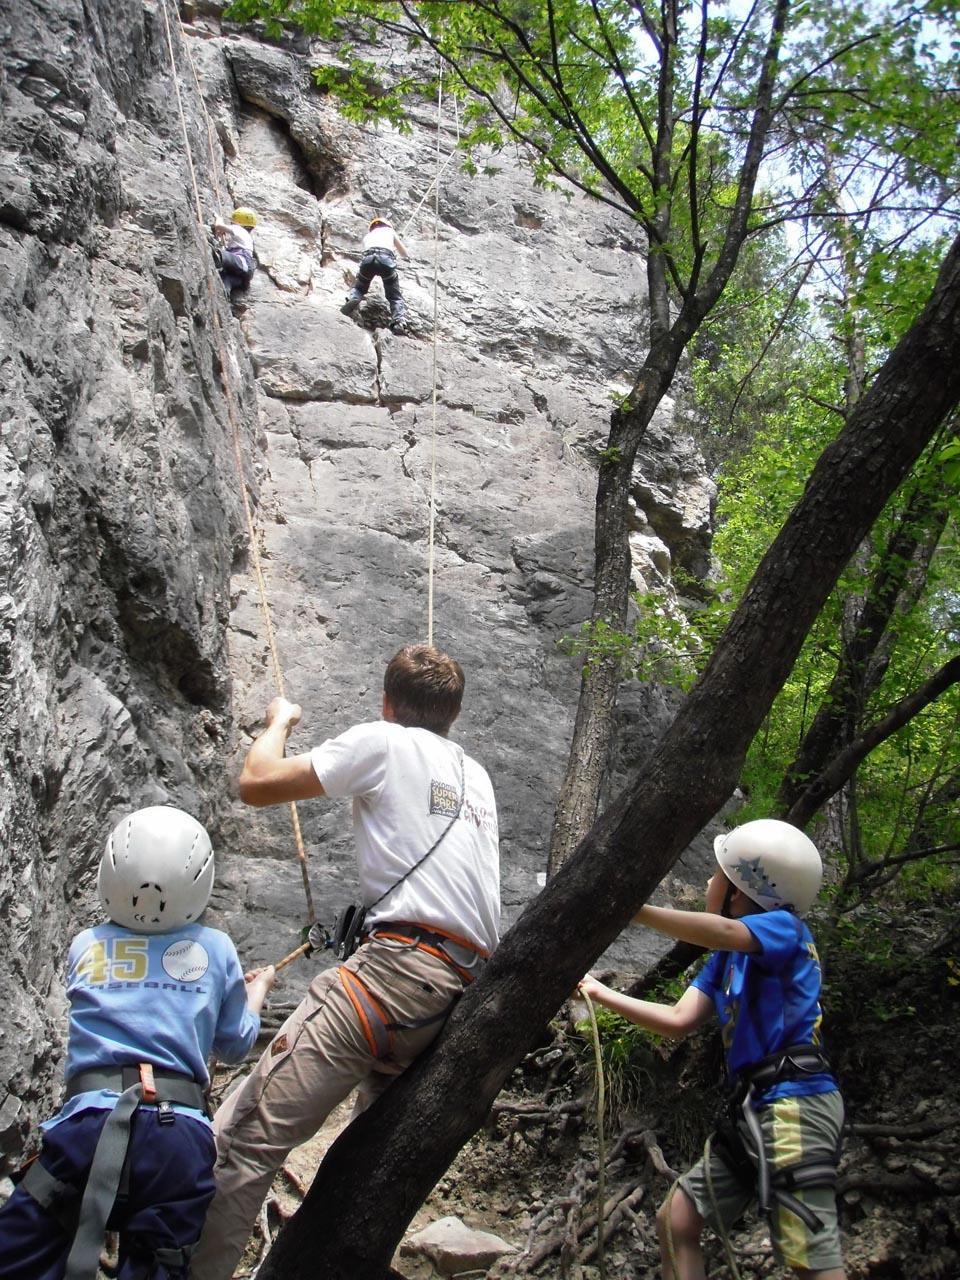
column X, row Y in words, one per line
column 186, row 960
column 444, row 799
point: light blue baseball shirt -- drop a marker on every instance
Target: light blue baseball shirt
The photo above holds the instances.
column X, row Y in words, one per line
column 169, row 999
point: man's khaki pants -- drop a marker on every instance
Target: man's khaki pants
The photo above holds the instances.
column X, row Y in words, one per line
column 325, row 1048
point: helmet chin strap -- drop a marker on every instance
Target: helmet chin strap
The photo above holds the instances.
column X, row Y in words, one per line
column 728, row 899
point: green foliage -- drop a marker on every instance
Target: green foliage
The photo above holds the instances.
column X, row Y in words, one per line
column 653, row 111
column 627, row 1053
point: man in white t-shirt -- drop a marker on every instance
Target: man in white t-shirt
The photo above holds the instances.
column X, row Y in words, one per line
column 381, row 245
column 425, row 824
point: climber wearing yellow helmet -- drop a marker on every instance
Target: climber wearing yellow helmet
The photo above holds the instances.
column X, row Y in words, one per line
column 236, row 261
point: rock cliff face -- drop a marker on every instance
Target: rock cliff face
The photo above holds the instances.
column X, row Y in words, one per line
column 133, row 645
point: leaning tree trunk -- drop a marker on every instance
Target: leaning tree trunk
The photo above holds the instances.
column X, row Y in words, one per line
column 383, row 1166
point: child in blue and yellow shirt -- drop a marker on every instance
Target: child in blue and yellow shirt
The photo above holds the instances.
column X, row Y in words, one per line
column 152, row 993
column 781, row 1136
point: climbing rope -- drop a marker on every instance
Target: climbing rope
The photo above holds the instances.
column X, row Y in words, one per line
column 433, row 432
column 230, row 397
column 601, row 1136
column 446, row 164
column 714, row 1205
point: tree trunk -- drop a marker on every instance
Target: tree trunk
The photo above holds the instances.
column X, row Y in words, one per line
column 579, row 795
column 383, row 1166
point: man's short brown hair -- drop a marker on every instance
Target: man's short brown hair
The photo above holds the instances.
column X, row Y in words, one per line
column 425, row 688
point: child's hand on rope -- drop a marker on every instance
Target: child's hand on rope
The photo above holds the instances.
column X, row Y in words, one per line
column 589, row 986
column 259, row 982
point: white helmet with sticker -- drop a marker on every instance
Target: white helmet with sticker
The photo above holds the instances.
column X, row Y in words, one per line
column 774, row 863
column 156, row 872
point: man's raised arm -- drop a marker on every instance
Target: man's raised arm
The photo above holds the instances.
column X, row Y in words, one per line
column 270, row 777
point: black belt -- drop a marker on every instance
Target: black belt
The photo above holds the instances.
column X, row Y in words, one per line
column 794, row 1062
column 158, row 1085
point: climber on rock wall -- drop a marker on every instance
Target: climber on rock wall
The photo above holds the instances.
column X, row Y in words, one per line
column 381, row 245
column 235, row 260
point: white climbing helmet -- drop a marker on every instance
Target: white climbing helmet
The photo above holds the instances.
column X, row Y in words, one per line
column 774, row 864
column 156, row 872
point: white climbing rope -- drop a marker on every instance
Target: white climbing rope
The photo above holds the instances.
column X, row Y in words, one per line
column 433, row 433
column 231, row 400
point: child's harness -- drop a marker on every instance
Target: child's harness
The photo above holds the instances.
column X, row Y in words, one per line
column 109, row 1169
column 751, row 1167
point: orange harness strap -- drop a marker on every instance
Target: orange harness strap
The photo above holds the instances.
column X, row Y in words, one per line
column 431, row 939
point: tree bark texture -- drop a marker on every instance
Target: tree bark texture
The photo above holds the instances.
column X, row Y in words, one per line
column 383, row 1166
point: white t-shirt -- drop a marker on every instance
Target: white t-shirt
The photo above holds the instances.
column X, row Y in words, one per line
column 239, row 238
column 379, row 237
column 405, row 785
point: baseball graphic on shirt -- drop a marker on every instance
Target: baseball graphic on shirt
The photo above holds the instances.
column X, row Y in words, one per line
column 185, row 961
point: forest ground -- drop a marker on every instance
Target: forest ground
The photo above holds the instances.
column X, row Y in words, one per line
column 892, row 999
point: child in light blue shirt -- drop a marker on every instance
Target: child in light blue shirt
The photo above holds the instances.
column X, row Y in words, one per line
column 152, row 993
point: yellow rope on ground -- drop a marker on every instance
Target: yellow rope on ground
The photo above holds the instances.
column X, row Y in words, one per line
column 601, row 1138
column 234, row 423
column 715, row 1206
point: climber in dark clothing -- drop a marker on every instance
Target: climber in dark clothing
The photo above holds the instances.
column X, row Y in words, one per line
column 236, row 262
column 381, row 245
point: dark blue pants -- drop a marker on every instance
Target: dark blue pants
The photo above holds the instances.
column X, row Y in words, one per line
column 170, row 1188
column 382, row 263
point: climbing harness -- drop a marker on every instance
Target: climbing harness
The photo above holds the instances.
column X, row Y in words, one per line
column 230, row 396
column 462, row 956
column 752, row 1167
column 135, row 1085
column 749, row 1163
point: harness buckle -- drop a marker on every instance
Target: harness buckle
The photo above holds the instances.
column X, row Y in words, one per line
column 147, row 1081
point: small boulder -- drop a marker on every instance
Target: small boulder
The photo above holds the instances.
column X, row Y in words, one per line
column 453, row 1247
